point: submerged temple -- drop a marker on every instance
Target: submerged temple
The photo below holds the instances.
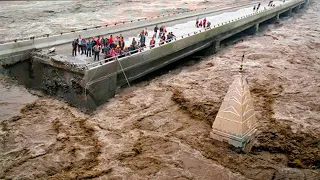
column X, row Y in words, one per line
column 236, row 122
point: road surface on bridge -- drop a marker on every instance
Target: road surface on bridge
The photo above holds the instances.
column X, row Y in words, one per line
column 179, row 28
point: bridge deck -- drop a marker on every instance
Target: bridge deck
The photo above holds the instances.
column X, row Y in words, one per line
column 179, row 28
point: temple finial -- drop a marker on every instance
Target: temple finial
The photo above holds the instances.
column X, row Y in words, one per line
column 241, row 65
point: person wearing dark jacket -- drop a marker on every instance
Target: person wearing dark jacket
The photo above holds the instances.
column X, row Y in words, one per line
column 160, row 32
column 83, row 46
column 208, row 24
column 169, row 37
column 94, row 42
column 155, row 31
column 258, row 6
column 89, row 48
column 74, row 47
column 121, row 44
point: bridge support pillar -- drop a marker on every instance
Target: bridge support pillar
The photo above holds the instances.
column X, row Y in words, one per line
column 290, row 12
column 254, row 29
column 305, row 4
column 278, row 17
column 216, row 46
column 296, row 9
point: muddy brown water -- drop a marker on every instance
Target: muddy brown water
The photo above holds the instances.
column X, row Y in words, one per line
column 159, row 128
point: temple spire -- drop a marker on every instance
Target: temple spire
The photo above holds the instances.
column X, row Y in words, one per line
column 235, row 122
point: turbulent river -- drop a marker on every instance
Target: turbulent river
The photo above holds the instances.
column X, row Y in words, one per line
column 159, row 127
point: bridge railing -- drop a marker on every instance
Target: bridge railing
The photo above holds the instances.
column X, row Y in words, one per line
column 149, row 47
column 47, row 35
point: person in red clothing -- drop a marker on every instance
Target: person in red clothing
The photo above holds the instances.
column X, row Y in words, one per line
column 111, row 41
column 204, row 22
column 152, row 43
column 112, row 53
column 98, row 41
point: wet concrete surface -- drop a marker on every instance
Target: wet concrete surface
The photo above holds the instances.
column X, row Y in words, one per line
column 159, row 128
column 179, row 28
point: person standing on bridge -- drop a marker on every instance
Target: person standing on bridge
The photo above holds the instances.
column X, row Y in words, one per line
column 204, row 22
column 208, row 24
column 93, row 41
column 163, row 39
column 134, row 42
column 172, row 35
column 74, row 47
column 111, row 41
column 197, row 22
column 83, row 46
column 96, row 50
column 142, row 39
column 89, row 47
column 169, row 37
column 270, row 3
column 116, row 41
column 98, row 41
column 164, row 30
column 152, row 43
column 121, row 43
column 200, row 24
column 146, row 31
column 155, row 31
column 258, row 6
column 79, row 43
column 103, row 44
column 160, row 32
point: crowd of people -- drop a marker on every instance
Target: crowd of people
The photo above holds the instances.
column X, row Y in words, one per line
column 202, row 23
column 115, row 47
column 163, row 35
column 109, row 47
column 270, row 4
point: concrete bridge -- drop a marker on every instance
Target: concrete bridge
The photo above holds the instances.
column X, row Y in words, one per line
column 89, row 84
